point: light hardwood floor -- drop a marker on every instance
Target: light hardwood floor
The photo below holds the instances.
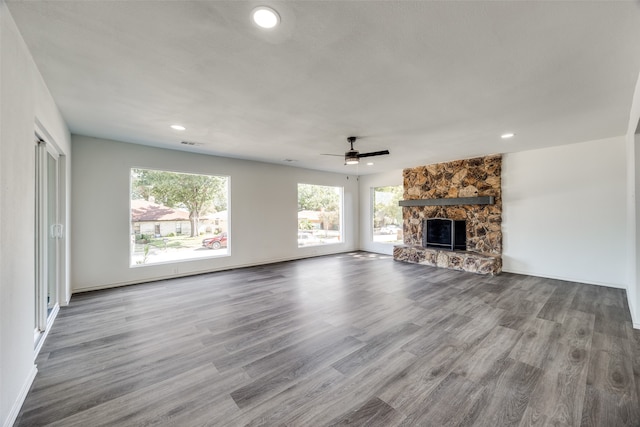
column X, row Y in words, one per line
column 354, row 339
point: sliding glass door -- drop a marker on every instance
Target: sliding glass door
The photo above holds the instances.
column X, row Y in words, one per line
column 48, row 231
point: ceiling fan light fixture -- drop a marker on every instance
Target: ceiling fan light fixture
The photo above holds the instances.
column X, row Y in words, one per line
column 351, row 158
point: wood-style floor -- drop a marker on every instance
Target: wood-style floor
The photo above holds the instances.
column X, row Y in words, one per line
column 354, row 339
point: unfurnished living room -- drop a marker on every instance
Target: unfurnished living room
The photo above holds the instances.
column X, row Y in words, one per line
column 319, row 213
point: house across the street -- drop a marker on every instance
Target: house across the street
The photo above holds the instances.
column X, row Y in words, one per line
column 158, row 220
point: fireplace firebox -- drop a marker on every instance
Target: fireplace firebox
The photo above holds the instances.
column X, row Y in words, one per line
column 444, row 233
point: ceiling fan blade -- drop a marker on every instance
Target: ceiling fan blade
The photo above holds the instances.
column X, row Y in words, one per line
column 374, row 153
column 327, row 154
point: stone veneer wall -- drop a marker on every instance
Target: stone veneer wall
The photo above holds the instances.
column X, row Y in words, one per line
column 462, row 178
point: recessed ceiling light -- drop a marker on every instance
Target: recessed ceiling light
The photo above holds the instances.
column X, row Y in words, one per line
column 370, row 164
column 178, row 127
column 507, row 135
column 265, row 17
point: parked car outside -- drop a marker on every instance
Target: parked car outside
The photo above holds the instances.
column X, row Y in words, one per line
column 307, row 239
column 389, row 229
column 216, row 242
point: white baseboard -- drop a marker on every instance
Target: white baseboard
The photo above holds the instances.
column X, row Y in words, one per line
column 634, row 320
column 15, row 410
column 208, row 270
column 17, row 405
column 52, row 318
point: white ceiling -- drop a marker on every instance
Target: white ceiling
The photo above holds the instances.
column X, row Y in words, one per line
column 430, row 81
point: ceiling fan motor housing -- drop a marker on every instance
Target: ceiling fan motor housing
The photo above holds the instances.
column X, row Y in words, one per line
column 352, row 157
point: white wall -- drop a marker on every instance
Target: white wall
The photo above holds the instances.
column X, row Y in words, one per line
column 564, row 212
column 24, row 99
column 367, row 182
column 633, row 207
column 263, row 211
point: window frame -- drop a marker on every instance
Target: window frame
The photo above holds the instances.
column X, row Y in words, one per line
column 373, row 216
column 340, row 221
column 203, row 255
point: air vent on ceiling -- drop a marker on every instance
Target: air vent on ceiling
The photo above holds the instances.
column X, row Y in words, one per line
column 191, row 143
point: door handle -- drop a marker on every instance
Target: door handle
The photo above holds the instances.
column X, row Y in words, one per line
column 56, row 231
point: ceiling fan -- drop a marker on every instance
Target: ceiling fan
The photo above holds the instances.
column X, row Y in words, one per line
column 352, row 157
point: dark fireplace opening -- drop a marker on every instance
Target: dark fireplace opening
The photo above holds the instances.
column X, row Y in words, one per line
column 444, row 233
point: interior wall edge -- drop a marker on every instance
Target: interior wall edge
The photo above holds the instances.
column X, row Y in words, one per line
column 633, row 208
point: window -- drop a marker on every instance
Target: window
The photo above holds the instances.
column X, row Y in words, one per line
column 319, row 215
column 172, row 216
column 387, row 215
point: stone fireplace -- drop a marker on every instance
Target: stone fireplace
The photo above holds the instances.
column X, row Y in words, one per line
column 468, row 190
